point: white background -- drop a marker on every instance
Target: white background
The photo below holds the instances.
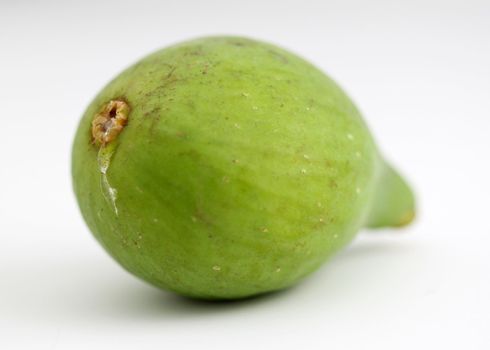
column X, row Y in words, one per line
column 419, row 71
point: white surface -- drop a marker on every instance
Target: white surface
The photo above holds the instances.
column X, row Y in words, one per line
column 420, row 72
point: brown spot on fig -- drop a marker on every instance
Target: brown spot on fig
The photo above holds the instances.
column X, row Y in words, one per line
column 110, row 121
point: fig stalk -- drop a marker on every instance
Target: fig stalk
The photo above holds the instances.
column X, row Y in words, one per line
column 393, row 202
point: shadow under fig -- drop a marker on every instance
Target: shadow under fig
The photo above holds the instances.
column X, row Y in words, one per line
column 129, row 298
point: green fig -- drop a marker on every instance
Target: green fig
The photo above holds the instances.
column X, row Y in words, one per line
column 224, row 167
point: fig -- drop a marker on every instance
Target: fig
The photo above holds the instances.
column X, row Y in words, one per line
column 225, row 167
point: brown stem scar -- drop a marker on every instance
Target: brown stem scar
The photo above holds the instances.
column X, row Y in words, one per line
column 110, row 121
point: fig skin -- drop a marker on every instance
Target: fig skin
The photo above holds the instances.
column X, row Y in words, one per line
column 240, row 169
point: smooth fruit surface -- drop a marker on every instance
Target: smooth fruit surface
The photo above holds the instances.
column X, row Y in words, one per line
column 225, row 167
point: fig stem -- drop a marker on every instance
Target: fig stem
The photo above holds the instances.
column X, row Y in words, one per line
column 393, row 204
